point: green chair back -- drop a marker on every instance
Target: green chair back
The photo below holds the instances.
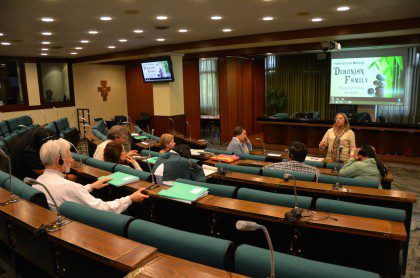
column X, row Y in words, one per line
column 105, row 220
column 277, row 199
column 317, row 164
column 216, row 151
column 150, row 153
column 107, row 166
column 27, row 192
column 368, row 211
column 239, row 169
column 280, row 174
column 128, row 170
column 197, row 248
column 253, row 157
column 79, row 157
column 348, row 181
column 214, row 189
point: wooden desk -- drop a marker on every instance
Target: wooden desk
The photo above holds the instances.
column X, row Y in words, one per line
column 167, row 266
column 194, row 143
column 150, row 144
column 118, row 252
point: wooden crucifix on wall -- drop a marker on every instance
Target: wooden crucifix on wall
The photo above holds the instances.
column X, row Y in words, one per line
column 104, row 90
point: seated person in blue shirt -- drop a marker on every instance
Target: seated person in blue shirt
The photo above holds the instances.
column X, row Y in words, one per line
column 176, row 164
column 295, row 163
column 240, row 143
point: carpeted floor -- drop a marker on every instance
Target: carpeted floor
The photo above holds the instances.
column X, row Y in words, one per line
column 407, row 177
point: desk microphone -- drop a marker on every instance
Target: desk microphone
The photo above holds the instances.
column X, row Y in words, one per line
column 173, row 125
column 219, row 170
column 151, row 173
column 337, row 155
column 55, row 225
column 56, row 111
column 249, row 226
column 189, row 127
column 295, row 214
column 337, row 181
column 259, row 139
column 13, row 198
column 45, row 118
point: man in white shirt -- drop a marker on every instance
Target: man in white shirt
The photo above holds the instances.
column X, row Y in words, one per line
column 56, row 157
column 115, row 133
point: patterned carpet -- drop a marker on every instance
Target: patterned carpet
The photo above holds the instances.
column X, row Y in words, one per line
column 407, row 177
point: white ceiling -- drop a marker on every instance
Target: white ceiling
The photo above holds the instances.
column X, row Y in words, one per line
column 21, row 25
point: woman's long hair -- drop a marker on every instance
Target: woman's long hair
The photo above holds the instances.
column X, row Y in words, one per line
column 368, row 151
column 346, row 122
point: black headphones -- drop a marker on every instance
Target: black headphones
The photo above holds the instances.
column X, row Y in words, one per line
column 60, row 159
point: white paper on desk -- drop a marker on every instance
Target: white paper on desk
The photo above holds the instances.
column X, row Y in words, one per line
column 313, row 158
column 145, row 143
column 196, row 152
column 209, row 170
column 274, row 154
column 134, row 134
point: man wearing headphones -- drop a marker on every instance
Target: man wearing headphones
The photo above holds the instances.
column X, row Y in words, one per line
column 56, row 157
column 176, row 164
column 297, row 155
column 115, row 133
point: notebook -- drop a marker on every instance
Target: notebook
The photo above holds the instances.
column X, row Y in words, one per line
column 152, row 160
column 140, row 137
column 120, row 178
column 183, row 192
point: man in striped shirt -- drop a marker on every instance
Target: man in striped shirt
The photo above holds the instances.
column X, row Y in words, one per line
column 295, row 163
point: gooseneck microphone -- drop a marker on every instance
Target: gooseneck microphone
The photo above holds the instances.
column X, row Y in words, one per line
column 13, row 198
column 151, row 173
column 45, row 118
column 249, row 226
column 259, row 139
column 56, row 225
column 295, row 214
column 337, row 180
column 56, row 112
column 189, row 127
column 219, row 170
column 337, row 155
column 173, row 125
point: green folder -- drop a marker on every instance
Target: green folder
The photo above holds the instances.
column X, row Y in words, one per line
column 120, row 178
column 185, row 193
column 140, row 137
column 152, row 160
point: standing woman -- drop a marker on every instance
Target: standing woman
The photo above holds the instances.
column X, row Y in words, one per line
column 339, row 135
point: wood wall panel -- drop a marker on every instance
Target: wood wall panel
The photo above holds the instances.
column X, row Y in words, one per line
column 223, row 98
column 258, row 91
column 162, row 124
column 139, row 94
column 192, row 97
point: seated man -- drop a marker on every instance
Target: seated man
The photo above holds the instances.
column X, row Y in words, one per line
column 240, row 143
column 297, row 155
column 176, row 164
column 115, row 133
column 56, row 157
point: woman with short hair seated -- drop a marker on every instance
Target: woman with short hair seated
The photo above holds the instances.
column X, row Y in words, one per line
column 240, row 143
column 364, row 165
column 167, row 142
column 176, row 164
column 114, row 152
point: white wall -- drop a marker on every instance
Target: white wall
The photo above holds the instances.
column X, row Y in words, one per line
column 86, row 79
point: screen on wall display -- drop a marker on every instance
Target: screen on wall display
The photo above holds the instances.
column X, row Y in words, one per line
column 367, row 80
column 157, row 70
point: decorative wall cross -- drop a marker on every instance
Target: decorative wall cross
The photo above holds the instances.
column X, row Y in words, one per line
column 104, row 90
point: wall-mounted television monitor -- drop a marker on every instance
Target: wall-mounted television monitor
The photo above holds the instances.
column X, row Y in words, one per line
column 157, row 69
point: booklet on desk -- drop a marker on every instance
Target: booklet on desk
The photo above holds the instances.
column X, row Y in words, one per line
column 152, row 160
column 120, row 178
column 140, row 137
column 183, row 192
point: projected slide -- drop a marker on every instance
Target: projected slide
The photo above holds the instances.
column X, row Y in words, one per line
column 158, row 70
column 369, row 80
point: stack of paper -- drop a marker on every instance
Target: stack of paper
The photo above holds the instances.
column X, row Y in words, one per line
column 183, row 192
column 312, row 158
column 209, row 170
column 120, row 178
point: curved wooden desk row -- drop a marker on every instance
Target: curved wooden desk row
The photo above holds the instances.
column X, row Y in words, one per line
column 118, row 252
column 346, row 224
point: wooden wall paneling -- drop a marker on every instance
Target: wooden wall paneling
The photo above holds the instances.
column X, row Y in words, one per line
column 246, row 110
column 223, row 99
column 232, row 101
column 139, row 94
column 192, row 96
column 162, row 124
column 258, row 92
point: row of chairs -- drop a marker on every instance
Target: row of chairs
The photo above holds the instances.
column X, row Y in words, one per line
column 62, row 128
column 15, row 127
column 219, row 253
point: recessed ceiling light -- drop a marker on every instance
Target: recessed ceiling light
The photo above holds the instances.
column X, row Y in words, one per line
column 45, row 49
column 44, row 54
column 138, row 31
column 160, row 39
column 47, row 19
column 268, row 18
column 161, row 17
column 111, row 46
column 5, row 43
column 182, row 30
column 343, row 8
column 1, row 34
column 73, row 53
column 84, row 41
column 316, row 19
column 227, row 30
column 216, row 17
column 93, row 32
column 105, row 18
column 269, row 53
column 46, row 43
column 78, row 48
column 122, row 40
column 46, row 33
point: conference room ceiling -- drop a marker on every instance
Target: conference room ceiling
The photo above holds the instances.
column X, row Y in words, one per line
column 21, row 25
